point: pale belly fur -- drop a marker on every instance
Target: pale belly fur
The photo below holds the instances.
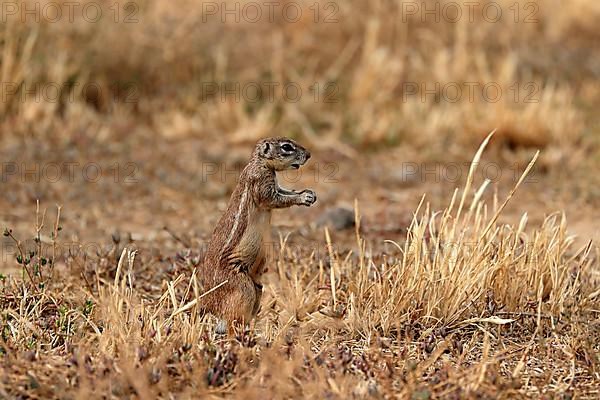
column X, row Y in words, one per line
column 255, row 243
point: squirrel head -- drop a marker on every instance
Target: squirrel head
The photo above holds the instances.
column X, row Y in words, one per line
column 281, row 153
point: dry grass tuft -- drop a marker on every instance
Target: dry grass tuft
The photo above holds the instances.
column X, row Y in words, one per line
column 465, row 306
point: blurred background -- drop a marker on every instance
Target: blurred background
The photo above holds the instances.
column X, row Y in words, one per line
column 135, row 115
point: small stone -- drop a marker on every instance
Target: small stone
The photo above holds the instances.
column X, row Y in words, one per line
column 338, row 218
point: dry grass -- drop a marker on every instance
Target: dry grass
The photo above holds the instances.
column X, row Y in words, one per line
column 375, row 56
column 470, row 293
column 466, row 306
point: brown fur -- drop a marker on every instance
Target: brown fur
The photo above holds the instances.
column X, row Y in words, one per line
column 236, row 252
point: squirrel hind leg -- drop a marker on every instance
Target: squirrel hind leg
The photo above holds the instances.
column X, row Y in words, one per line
column 256, row 307
column 241, row 299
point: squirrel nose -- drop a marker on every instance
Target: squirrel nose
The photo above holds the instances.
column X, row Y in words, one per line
column 307, row 155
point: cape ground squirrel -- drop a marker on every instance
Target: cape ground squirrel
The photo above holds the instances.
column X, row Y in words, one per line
column 236, row 253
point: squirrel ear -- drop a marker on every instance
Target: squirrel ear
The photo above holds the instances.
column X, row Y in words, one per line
column 265, row 148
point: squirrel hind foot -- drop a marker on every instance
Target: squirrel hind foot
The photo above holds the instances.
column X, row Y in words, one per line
column 221, row 327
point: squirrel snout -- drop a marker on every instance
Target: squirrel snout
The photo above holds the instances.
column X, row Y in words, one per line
column 307, row 154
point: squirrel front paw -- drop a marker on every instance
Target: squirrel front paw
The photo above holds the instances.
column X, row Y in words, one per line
column 307, row 197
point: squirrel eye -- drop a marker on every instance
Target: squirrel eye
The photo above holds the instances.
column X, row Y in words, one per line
column 287, row 147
